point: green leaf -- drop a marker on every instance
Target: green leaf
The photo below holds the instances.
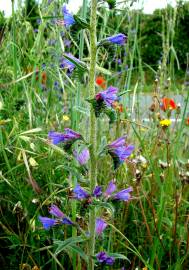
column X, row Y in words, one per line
column 63, row 245
column 119, row 256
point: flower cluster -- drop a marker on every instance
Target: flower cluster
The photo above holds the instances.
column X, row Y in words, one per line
column 122, row 195
column 119, row 151
column 60, row 218
column 102, row 257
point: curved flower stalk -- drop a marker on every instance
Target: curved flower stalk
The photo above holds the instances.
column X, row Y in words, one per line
column 60, row 218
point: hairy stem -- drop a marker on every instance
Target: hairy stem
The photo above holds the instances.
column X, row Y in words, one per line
column 93, row 165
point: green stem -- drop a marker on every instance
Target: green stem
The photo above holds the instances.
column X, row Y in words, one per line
column 93, row 137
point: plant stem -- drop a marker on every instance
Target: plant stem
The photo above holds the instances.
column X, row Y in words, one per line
column 93, row 137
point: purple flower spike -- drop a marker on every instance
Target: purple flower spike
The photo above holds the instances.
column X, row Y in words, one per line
column 47, row 222
column 56, row 137
column 102, row 257
column 97, row 192
column 68, row 17
column 100, row 226
column 108, row 96
column 119, row 39
column 110, row 189
column 82, row 157
column 124, row 195
column 54, row 210
column 80, row 193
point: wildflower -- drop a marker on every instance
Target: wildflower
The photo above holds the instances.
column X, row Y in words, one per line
column 108, row 96
column 50, row 222
column 187, row 121
column 69, row 136
column 168, row 104
column 165, row 122
column 65, row 63
column 102, row 257
column 117, row 106
column 54, row 210
column 82, row 157
column 119, row 151
column 68, row 17
column 110, row 189
column 119, row 39
column 100, row 226
column 123, row 195
column 97, row 192
column 101, row 81
column 65, row 118
column 47, row 222
column 80, row 193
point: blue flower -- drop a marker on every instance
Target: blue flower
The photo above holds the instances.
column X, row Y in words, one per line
column 100, row 225
column 47, row 222
column 68, row 17
column 80, row 193
column 69, row 136
column 108, row 96
column 54, row 210
column 82, row 157
column 119, row 151
column 123, row 195
column 102, row 257
column 65, row 63
column 119, row 39
column 110, row 189
column 97, row 192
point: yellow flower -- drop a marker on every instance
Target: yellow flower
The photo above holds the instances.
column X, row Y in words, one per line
column 145, row 268
column 165, row 122
column 65, row 118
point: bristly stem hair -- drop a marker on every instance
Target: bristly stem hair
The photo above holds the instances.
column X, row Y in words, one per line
column 93, row 129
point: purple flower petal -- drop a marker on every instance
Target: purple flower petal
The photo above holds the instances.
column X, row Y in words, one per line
column 54, row 210
column 82, row 157
column 108, row 96
column 80, row 193
column 110, row 260
column 47, row 222
column 110, row 189
column 100, row 226
column 97, row 192
column 56, row 137
column 101, row 256
column 68, row 17
column 67, row 221
column 117, row 143
column 124, row 195
column 119, row 39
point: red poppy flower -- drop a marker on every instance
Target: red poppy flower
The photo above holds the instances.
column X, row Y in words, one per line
column 101, row 81
column 168, row 104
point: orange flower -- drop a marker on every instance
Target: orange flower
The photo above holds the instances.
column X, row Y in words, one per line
column 168, row 104
column 44, row 77
column 101, row 82
column 187, row 121
column 117, row 106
